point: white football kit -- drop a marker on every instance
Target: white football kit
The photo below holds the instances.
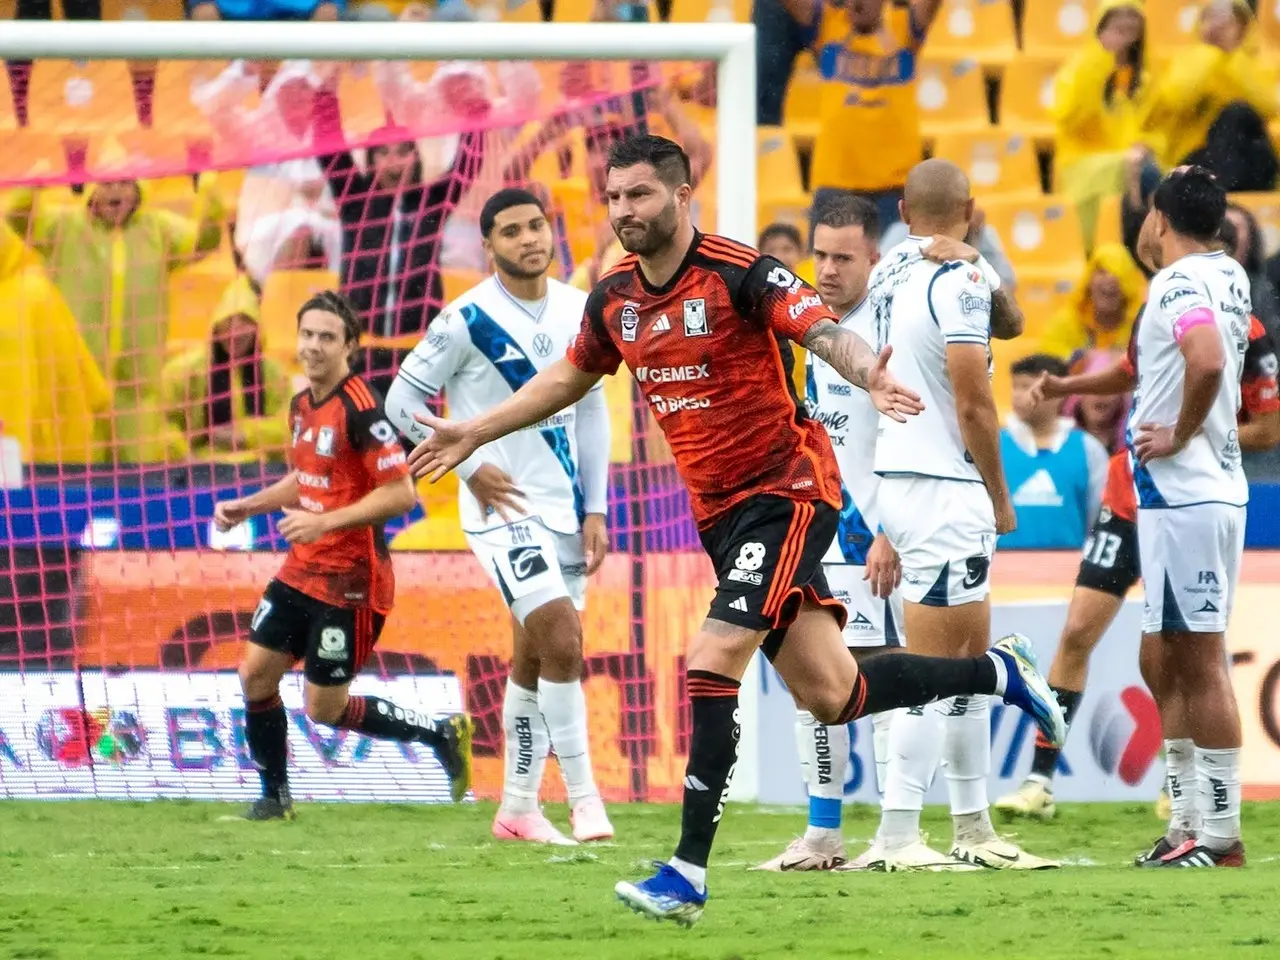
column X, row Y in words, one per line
column 934, row 507
column 1191, row 506
column 851, row 421
column 480, row 350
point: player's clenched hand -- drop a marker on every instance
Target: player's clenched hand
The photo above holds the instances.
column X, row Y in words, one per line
column 495, row 490
column 1048, row 387
column 228, row 514
column 890, row 397
column 884, row 569
column 595, row 541
column 1006, row 516
column 302, row 526
column 1154, row 441
column 451, row 442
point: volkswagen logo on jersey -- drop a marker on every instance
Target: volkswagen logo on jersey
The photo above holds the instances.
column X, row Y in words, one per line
column 1124, row 734
column 526, row 562
column 630, row 321
column 542, row 345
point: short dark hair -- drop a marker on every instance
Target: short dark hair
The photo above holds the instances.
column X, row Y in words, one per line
column 780, row 231
column 1037, row 364
column 1193, row 201
column 505, row 199
column 330, row 301
column 1229, row 236
column 668, row 159
column 842, row 209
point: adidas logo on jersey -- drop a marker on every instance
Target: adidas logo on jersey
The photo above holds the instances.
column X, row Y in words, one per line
column 740, row 605
column 661, row 325
column 1038, row 490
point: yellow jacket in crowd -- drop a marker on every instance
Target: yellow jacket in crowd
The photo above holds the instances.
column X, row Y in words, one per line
column 115, row 279
column 50, row 387
column 189, row 402
column 1075, row 327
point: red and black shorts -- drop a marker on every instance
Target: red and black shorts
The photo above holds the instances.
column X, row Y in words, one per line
column 334, row 641
column 767, row 553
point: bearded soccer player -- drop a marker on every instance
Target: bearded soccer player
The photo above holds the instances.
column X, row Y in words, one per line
column 331, row 597
column 763, row 482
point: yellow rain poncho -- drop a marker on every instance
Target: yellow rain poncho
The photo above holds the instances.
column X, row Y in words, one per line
column 1075, row 328
column 50, row 387
column 185, row 390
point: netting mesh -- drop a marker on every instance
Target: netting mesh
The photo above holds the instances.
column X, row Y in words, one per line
column 162, row 222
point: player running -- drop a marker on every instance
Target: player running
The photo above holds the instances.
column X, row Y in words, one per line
column 943, row 500
column 762, row 479
column 532, row 504
column 328, row 602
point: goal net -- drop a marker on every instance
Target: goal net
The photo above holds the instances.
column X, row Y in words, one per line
column 162, row 221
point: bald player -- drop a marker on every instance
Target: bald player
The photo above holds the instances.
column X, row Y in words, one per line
column 943, row 501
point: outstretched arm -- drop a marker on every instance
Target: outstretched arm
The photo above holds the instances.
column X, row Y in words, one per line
column 850, row 355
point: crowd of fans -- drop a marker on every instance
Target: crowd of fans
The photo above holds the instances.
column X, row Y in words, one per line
column 96, row 272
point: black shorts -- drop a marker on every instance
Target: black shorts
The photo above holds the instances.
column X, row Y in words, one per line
column 767, row 553
column 1110, row 562
column 336, row 641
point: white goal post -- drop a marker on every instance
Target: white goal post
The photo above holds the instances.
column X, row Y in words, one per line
column 730, row 45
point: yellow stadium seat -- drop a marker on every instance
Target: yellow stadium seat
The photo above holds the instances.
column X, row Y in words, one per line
column 32, row 154
column 1172, row 24
column 362, row 107
column 801, row 110
column 777, row 164
column 952, row 96
column 571, row 198
column 791, row 209
column 999, row 163
column 1269, row 19
column 577, row 11
column 1004, row 353
column 1266, row 208
column 1040, row 298
column 80, row 99
column 710, row 11
column 1041, row 235
column 981, row 30
column 8, row 119
column 522, row 11
column 143, row 10
column 172, row 110
column 137, row 153
column 194, row 293
column 1055, row 28
column 1109, row 228
column 282, row 293
column 457, row 282
column 1026, row 94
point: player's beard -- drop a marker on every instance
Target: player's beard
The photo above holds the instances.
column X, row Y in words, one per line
column 658, row 233
column 513, row 268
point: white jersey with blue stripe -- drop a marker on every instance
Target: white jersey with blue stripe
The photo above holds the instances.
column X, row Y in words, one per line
column 483, row 348
column 1208, row 469
column 851, row 421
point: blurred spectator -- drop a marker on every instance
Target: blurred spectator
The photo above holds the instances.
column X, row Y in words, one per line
column 111, row 259
column 982, row 237
column 305, row 234
column 266, row 9
column 50, row 387
column 1056, row 471
column 1212, row 104
column 780, row 38
column 1102, row 308
column 224, row 399
column 1244, row 243
column 1100, row 102
column 783, row 241
column 870, row 119
column 1101, row 416
column 259, row 106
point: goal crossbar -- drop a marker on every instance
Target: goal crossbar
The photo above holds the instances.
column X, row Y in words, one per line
column 730, row 45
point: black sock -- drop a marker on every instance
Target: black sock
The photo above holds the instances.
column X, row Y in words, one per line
column 713, row 751
column 266, row 727
column 384, row 720
column 1045, row 759
column 905, row 680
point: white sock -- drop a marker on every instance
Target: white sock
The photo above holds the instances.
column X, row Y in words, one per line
column 825, row 752
column 880, row 724
column 564, row 707
column 691, row 872
column 915, row 744
column 1180, row 781
column 966, row 762
column 527, row 745
column 1218, row 773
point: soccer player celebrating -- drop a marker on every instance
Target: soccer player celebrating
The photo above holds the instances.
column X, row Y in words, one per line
column 331, row 597
column 762, row 479
column 532, row 504
column 943, row 500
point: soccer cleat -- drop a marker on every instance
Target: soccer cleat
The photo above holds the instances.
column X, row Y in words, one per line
column 530, row 827
column 1027, row 689
column 667, row 895
column 1192, row 854
column 590, row 822
column 997, row 854
column 1032, row 799
column 913, row 856
column 454, row 753
column 1161, row 848
column 272, row 808
column 805, row 854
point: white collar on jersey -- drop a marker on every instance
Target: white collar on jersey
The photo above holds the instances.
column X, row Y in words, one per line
column 539, row 306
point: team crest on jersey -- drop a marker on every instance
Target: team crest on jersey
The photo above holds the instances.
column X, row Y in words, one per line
column 630, row 321
column 542, row 345
column 695, row 318
column 324, row 442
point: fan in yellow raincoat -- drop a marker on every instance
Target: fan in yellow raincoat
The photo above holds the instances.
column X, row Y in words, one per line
column 111, row 258
column 50, row 387
column 1102, row 309
column 224, row 399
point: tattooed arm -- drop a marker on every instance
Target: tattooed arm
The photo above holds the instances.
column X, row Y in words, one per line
column 850, row 355
column 1006, row 316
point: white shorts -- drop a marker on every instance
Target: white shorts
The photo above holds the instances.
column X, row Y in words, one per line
column 945, row 533
column 1190, row 566
column 532, row 565
column 872, row 622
